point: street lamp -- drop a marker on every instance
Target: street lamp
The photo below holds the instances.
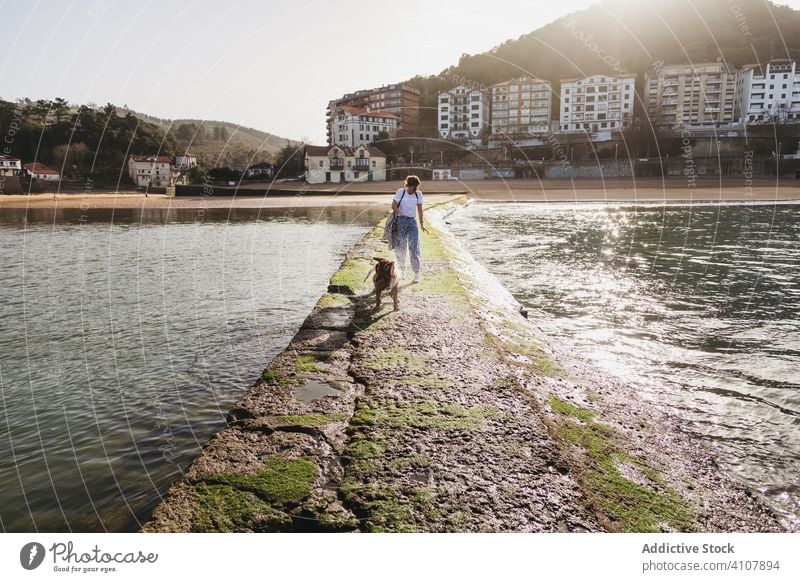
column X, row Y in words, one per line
column 616, row 151
column 411, row 151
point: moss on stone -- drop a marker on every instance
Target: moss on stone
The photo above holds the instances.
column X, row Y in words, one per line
column 275, row 378
column 565, row 408
column 394, row 357
column 280, row 480
column 222, row 508
column 308, row 363
column 332, row 300
column 434, row 416
column 629, row 506
column 350, row 277
column 365, row 448
column 312, row 419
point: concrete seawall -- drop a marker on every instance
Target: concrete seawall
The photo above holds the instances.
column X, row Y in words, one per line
column 451, row 414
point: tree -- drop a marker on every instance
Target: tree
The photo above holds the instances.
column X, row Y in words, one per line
column 197, row 175
column 290, row 161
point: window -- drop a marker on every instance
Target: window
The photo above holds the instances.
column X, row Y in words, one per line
column 475, row 115
column 443, row 126
column 476, row 124
column 322, row 163
column 374, row 163
column 476, row 107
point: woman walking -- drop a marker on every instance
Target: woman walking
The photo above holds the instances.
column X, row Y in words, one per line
column 406, row 205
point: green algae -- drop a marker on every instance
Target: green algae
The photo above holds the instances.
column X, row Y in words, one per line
column 350, row 276
column 332, row 300
column 394, row 357
column 275, row 378
column 435, row 416
column 312, row 419
column 308, row 363
column 280, row 480
column 629, row 506
column 222, row 508
column 365, row 448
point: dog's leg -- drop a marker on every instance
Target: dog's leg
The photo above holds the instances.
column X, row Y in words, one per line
column 394, row 298
column 378, row 298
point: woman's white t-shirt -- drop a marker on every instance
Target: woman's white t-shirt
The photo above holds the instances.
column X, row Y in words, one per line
column 409, row 202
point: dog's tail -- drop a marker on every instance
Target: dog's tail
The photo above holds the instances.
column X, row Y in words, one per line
column 371, row 269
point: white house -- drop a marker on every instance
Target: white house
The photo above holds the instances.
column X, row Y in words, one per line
column 463, row 114
column 598, row 104
column 185, row 162
column 10, row 166
column 364, row 163
column 355, row 126
column 151, row 171
column 39, row 171
column 770, row 93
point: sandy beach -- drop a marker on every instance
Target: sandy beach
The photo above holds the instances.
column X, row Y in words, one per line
column 357, row 194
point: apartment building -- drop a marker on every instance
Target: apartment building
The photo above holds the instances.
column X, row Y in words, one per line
column 153, row 171
column 398, row 99
column 355, row 126
column 770, row 93
column 463, row 114
column 693, row 95
column 521, row 107
column 597, row 104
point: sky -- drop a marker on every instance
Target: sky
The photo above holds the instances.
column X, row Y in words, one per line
column 268, row 64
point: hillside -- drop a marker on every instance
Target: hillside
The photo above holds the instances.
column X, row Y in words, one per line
column 221, row 143
column 618, row 36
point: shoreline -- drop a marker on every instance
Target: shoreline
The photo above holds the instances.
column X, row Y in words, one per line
column 364, row 423
column 323, row 199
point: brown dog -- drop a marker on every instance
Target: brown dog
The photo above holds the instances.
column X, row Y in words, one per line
column 386, row 276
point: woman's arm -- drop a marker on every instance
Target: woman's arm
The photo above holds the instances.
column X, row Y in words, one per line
column 395, row 206
column 421, row 219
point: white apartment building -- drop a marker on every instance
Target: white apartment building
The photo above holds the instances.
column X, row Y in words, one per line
column 153, row 171
column 463, row 114
column 597, row 104
column 770, row 93
column 364, row 163
column 355, row 126
column 702, row 95
column 521, row 107
column 10, row 166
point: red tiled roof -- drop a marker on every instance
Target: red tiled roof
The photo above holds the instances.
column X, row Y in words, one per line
column 158, row 159
column 39, row 168
column 9, row 158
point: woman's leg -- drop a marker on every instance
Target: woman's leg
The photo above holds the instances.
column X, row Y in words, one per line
column 413, row 247
column 401, row 244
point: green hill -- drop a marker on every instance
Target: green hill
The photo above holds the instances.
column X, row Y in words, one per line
column 221, row 143
column 615, row 36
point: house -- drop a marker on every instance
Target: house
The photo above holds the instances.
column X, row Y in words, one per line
column 153, row 171
column 399, row 99
column 185, row 162
column 597, row 104
column 770, row 93
column 693, row 96
column 364, row 163
column 10, row 166
column 463, row 114
column 39, row 171
column 355, row 126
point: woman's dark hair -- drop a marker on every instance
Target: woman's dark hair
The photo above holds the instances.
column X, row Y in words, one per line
column 412, row 181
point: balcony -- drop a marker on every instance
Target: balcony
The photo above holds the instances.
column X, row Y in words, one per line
column 361, row 164
column 337, row 164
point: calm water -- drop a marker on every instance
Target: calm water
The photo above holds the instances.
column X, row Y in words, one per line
column 124, row 339
column 698, row 305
